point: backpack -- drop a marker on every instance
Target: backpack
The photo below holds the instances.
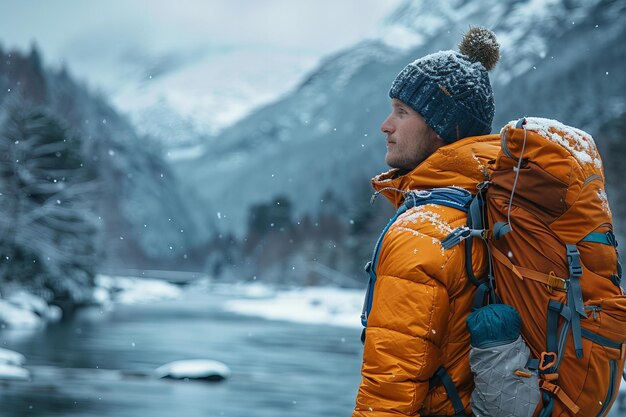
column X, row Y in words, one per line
column 554, row 277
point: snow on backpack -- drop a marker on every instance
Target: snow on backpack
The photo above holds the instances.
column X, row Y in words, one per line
column 554, row 278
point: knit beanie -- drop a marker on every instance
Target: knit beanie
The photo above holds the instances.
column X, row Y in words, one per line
column 451, row 90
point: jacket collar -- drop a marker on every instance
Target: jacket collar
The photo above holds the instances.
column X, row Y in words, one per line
column 463, row 164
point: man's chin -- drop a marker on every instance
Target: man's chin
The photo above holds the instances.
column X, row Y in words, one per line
column 393, row 163
column 389, row 160
column 402, row 168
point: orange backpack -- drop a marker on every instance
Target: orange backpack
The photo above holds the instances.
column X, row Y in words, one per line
column 545, row 218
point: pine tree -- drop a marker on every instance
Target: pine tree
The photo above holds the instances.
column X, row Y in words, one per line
column 48, row 228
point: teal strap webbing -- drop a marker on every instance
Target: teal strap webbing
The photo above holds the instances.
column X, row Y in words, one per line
column 604, row 238
column 371, row 270
column 575, row 297
column 500, row 229
column 548, row 405
column 552, row 328
column 608, row 239
column 374, row 264
column 555, row 310
column 441, row 376
column 469, row 268
column 476, row 212
column 532, row 364
column 601, row 340
column 485, row 295
column 555, row 337
column 474, row 221
column 576, row 331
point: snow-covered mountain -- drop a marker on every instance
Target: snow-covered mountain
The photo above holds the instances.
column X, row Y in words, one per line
column 315, row 139
column 561, row 59
column 180, row 108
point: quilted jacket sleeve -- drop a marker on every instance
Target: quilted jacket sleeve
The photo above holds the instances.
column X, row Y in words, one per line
column 409, row 316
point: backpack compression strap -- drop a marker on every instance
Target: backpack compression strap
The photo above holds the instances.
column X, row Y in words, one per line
column 571, row 313
column 442, row 377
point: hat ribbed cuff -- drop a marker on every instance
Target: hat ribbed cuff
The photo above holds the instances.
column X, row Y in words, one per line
column 448, row 118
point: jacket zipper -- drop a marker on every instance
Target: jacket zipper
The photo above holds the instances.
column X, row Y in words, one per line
column 609, row 394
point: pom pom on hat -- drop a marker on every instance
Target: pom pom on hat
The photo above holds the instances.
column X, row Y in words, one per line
column 451, row 90
column 480, row 45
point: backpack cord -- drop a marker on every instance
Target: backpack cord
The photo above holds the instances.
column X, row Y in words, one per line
column 519, row 165
column 375, row 195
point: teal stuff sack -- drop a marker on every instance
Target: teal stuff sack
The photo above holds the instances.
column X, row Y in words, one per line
column 504, row 386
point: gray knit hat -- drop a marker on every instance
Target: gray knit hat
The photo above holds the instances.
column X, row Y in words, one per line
column 451, row 90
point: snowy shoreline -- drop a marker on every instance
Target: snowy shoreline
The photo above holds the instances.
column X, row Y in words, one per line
column 308, row 305
column 22, row 310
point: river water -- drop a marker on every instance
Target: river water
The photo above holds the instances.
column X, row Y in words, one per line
column 98, row 364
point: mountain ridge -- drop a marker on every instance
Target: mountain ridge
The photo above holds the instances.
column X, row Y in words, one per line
column 315, row 111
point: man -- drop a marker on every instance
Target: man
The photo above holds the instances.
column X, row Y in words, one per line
column 422, row 294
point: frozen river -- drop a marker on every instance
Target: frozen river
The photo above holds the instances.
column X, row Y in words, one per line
column 96, row 365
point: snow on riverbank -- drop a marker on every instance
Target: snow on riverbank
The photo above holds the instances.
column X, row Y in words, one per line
column 129, row 290
column 11, row 365
column 313, row 305
column 21, row 310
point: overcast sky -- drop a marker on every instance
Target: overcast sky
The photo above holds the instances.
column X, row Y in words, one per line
column 209, row 61
column 79, row 32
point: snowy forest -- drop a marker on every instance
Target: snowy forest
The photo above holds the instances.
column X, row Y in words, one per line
column 132, row 239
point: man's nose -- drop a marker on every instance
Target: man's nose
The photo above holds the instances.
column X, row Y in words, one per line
column 387, row 126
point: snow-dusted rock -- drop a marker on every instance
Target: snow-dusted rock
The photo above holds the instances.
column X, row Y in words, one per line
column 101, row 295
column 8, row 371
column 201, row 369
column 55, row 313
column 10, row 357
column 129, row 290
column 18, row 318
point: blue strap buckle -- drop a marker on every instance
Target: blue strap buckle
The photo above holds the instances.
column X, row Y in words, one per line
column 456, row 237
column 573, row 259
column 460, row 234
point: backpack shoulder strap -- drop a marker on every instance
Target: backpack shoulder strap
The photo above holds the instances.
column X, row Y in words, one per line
column 453, row 197
column 475, row 228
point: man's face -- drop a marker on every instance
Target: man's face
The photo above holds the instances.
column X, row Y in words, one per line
column 409, row 139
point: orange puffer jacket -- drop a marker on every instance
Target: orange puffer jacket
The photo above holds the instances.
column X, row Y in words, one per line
column 422, row 294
